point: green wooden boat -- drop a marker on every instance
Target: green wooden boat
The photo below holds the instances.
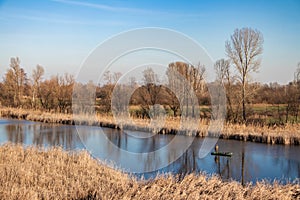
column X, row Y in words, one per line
column 222, row 154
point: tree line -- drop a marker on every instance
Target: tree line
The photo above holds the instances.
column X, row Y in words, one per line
column 20, row 91
column 278, row 103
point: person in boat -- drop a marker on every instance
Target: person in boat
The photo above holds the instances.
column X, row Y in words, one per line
column 216, row 157
column 216, row 148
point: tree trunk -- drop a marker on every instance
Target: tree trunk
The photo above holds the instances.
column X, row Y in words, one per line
column 243, row 98
column 244, row 108
column 243, row 168
column 297, row 112
column 287, row 113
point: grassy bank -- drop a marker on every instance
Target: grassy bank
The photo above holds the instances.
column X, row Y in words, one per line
column 288, row 134
column 33, row 173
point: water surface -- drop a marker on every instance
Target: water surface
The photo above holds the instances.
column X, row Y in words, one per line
column 250, row 161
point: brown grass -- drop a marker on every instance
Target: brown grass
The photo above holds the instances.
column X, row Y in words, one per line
column 33, row 173
column 288, row 134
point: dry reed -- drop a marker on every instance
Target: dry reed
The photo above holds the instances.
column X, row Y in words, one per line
column 31, row 173
column 288, row 134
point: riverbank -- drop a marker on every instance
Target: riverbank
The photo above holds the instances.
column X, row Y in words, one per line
column 287, row 135
column 32, row 173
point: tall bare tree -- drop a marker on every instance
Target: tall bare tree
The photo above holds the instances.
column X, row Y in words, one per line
column 193, row 75
column 223, row 75
column 297, row 73
column 15, row 82
column 37, row 75
column 297, row 93
column 244, row 48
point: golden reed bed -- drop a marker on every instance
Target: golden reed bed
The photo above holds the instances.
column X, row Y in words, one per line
column 32, row 173
column 288, row 134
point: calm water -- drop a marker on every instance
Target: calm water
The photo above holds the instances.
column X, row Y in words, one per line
column 130, row 152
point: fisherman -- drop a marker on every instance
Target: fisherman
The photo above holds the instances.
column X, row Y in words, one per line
column 216, row 148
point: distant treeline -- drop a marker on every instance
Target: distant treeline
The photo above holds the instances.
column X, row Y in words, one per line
column 268, row 103
column 246, row 101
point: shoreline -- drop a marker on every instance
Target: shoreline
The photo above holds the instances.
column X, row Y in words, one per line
column 287, row 135
column 38, row 173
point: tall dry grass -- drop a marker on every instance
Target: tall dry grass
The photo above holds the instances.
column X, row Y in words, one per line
column 288, row 134
column 31, row 173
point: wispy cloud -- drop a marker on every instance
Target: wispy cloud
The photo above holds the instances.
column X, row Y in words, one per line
column 165, row 13
column 59, row 20
column 103, row 6
column 50, row 17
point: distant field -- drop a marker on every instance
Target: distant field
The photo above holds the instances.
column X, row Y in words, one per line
column 263, row 114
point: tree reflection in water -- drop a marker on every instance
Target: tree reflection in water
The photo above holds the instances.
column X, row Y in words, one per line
column 41, row 134
column 15, row 133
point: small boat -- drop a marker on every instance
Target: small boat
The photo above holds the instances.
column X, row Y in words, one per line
column 222, row 154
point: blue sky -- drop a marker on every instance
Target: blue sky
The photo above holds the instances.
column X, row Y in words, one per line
column 59, row 34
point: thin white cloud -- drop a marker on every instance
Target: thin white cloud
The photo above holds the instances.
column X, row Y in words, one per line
column 169, row 13
column 34, row 15
column 103, row 7
column 60, row 20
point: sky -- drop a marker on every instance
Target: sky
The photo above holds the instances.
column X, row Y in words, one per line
column 60, row 34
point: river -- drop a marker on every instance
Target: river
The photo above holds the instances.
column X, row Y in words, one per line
column 146, row 155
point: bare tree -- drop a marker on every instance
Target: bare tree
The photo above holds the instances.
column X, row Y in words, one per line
column 193, row 75
column 37, row 75
column 222, row 69
column 15, row 82
column 297, row 92
column 107, row 76
column 223, row 75
column 104, row 93
column 64, row 93
column 174, row 85
column 48, row 93
column 116, row 76
column 297, row 74
column 292, row 100
column 84, row 98
column 244, row 48
column 149, row 94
